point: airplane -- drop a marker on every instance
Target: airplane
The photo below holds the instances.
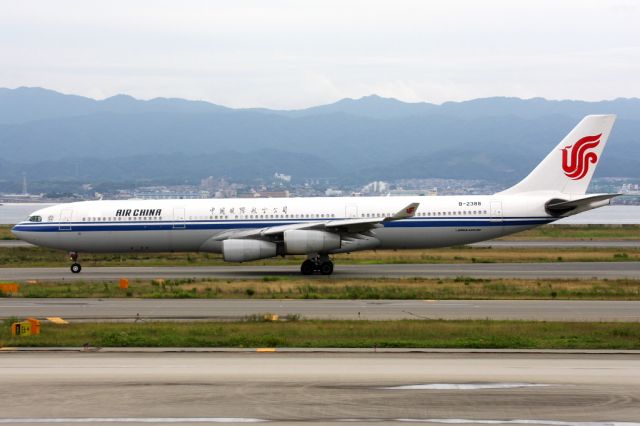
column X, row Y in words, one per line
column 243, row 230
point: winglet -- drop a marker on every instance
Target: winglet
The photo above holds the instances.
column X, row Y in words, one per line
column 405, row 213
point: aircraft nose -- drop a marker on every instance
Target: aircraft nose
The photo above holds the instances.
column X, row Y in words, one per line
column 16, row 231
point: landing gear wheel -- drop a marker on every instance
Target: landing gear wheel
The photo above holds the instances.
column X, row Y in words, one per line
column 326, row 268
column 307, row 267
column 76, row 268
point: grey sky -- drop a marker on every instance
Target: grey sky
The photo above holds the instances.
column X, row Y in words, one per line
column 291, row 54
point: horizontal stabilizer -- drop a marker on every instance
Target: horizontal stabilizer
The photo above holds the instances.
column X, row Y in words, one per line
column 559, row 206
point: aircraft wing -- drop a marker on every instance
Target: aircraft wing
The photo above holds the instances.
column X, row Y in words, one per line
column 350, row 226
column 342, row 226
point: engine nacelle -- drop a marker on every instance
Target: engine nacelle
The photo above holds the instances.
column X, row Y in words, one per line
column 304, row 242
column 247, row 250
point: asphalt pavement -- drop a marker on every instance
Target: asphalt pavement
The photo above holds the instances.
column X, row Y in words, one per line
column 563, row 270
column 291, row 388
column 230, row 309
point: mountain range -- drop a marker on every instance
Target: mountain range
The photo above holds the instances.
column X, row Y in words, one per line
column 50, row 135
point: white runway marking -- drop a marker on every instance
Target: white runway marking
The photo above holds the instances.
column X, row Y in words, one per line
column 135, row 420
column 466, row 386
column 253, row 420
column 517, row 422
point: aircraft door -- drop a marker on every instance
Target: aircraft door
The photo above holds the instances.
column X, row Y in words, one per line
column 65, row 220
column 178, row 218
column 496, row 211
column 351, row 211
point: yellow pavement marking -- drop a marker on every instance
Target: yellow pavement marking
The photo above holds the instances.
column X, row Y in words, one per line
column 57, row 320
column 266, row 350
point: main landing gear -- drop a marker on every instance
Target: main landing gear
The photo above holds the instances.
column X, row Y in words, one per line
column 75, row 266
column 317, row 264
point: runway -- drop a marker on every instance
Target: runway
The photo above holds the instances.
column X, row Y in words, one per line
column 448, row 388
column 561, row 270
column 233, row 309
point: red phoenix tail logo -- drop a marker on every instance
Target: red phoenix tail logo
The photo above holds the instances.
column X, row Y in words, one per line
column 577, row 157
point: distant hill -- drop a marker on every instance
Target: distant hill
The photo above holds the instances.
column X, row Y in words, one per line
column 33, row 103
column 377, row 107
column 121, row 138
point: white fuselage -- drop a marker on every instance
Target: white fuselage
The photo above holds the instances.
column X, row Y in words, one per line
column 199, row 225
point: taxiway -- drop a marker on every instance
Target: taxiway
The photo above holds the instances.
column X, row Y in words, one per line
column 275, row 388
column 564, row 270
column 234, row 309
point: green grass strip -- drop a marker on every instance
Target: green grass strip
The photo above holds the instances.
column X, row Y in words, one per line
column 339, row 334
column 340, row 288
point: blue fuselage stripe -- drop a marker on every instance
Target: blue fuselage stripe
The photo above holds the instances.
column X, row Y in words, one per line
column 232, row 224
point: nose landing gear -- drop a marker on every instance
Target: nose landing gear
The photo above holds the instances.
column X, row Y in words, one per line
column 75, row 266
column 317, row 264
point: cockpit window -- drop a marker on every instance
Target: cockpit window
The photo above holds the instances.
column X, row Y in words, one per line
column 35, row 218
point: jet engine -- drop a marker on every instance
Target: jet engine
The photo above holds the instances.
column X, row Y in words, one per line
column 304, row 242
column 247, row 250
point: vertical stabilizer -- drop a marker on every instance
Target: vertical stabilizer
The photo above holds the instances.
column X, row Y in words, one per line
column 568, row 168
